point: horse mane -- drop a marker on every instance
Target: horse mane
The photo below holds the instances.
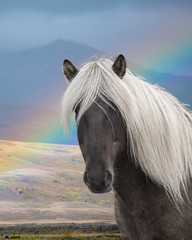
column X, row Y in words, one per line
column 159, row 127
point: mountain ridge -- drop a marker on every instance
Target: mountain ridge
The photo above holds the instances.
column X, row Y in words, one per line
column 34, row 78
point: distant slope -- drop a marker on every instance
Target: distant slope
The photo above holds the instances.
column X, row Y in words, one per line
column 33, row 124
column 32, row 83
column 179, row 86
column 44, row 183
column 34, row 76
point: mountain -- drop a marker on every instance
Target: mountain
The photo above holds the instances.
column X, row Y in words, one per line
column 32, row 83
column 33, row 124
column 35, row 77
column 179, row 86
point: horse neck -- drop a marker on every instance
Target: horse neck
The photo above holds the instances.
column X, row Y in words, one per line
column 129, row 178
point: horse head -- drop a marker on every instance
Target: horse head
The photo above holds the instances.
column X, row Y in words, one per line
column 101, row 134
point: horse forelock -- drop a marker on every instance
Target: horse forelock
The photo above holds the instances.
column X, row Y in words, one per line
column 159, row 133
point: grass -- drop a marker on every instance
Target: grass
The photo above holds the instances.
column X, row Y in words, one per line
column 64, row 237
column 61, row 232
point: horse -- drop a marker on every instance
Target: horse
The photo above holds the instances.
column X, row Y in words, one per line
column 135, row 138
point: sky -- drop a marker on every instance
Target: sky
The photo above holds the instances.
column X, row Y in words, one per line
column 154, row 33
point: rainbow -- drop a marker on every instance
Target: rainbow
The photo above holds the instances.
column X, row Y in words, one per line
column 55, row 135
column 172, row 56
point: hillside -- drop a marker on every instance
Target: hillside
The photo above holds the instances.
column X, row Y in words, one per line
column 43, row 183
column 33, row 124
column 179, row 86
column 32, row 83
column 34, row 76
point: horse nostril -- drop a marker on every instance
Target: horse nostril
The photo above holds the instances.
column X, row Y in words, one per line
column 85, row 178
column 98, row 182
column 108, row 178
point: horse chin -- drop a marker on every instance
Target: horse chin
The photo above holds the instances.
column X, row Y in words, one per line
column 94, row 190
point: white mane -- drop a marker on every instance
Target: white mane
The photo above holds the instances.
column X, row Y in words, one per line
column 158, row 126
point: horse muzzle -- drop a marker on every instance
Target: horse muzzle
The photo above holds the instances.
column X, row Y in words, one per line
column 98, row 183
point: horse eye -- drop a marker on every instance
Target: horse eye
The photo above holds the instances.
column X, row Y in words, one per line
column 76, row 109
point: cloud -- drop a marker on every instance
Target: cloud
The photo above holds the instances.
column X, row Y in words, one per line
column 139, row 33
column 104, row 30
column 76, row 7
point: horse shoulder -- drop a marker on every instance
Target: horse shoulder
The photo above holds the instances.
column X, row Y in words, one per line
column 144, row 211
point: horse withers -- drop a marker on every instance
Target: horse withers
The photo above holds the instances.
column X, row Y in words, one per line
column 135, row 138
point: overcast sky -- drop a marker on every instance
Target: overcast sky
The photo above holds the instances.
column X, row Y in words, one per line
column 146, row 31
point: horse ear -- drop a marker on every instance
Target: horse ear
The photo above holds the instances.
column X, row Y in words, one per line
column 119, row 66
column 69, row 70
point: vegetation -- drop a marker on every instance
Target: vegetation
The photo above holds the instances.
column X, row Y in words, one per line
column 61, row 232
